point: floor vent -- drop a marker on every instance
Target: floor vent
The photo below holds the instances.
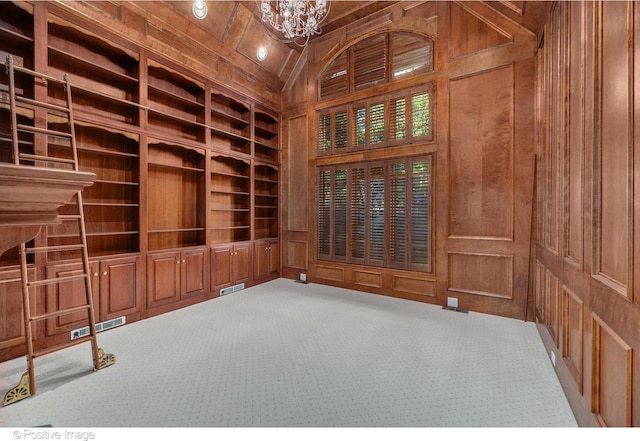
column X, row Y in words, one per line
column 231, row 289
column 102, row 326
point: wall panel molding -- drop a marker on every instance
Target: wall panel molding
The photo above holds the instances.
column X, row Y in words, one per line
column 611, row 378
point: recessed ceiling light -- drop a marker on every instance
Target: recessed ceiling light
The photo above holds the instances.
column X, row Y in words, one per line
column 262, row 53
column 200, row 9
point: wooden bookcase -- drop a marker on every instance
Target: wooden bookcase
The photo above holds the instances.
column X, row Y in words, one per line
column 175, row 204
column 175, row 105
column 230, row 199
column 266, row 136
column 230, row 123
column 265, row 201
column 186, row 187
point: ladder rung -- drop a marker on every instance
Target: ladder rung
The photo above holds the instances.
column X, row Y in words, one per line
column 66, row 217
column 39, row 104
column 30, row 157
column 55, row 248
column 40, row 130
column 57, row 280
column 10, row 280
column 61, row 312
column 38, row 74
column 66, row 345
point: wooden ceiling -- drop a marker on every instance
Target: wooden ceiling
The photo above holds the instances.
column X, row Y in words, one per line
column 235, row 28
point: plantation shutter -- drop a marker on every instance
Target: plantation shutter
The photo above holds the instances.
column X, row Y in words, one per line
column 324, row 133
column 410, row 54
column 398, row 216
column 376, row 215
column 358, row 214
column 359, row 125
column 340, row 214
column 324, row 213
column 397, row 118
column 335, row 79
column 420, row 215
column 420, row 115
column 341, row 129
column 376, row 123
column 370, row 61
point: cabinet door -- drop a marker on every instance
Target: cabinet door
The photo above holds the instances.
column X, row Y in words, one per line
column 120, row 287
column 274, row 257
column 261, row 259
column 241, row 266
column 11, row 318
column 68, row 295
column 194, row 274
column 163, row 278
column 220, row 267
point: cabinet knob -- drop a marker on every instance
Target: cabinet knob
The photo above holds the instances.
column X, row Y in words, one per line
column 96, row 274
column 183, row 260
column 177, row 262
column 104, row 273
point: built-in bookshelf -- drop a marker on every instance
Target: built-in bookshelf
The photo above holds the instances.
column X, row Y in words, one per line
column 230, row 123
column 176, row 202
column 175, row 104
column 266, row 135
column 230, row 199
column 265, row 201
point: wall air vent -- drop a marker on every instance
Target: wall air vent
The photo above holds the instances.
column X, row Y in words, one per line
column 231, row 289
column 102, row 326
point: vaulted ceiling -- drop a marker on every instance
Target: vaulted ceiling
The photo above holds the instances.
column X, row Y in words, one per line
column 235, row 28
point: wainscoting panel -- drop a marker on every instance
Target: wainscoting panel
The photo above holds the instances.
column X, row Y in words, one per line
column 481, row 274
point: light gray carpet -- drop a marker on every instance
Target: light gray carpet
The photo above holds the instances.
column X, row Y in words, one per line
column 284, row 354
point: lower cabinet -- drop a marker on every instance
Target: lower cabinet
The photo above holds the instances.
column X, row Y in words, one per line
column 174, row 276
column 12, row 338
column 267, row 258
column 120, row 287
column 230, row 265
column 115, row 286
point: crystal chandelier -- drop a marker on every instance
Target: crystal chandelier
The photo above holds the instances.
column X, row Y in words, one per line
column 293, row 20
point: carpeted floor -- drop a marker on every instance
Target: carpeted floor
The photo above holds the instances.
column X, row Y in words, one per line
column 285, row 354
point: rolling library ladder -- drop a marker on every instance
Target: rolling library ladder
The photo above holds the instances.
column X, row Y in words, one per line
column 58, row 126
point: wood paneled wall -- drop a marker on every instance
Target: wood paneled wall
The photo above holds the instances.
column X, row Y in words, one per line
column 587, row 285
column 483, row 151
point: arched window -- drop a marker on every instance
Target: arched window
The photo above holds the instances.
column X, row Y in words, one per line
column 381, row 58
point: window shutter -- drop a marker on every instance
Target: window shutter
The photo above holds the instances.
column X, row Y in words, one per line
column 420, row 115
column 376, row 123
column 420, row 216
column 370, row 61
column 376, row 215
column 324, row 133
column 398, row 118
column 410, row 54
column 398, row 216
column 324, row 213
column 341, row 129
column 358, row 214
column 359, row 126
column 335, row 79
column 340, row 214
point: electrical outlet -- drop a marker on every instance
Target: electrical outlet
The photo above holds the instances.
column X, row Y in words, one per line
column 303, row 277
column 452, row 302
column 553, row 358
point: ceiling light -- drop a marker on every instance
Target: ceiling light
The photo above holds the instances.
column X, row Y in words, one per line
column 293, row 21
column 200, row 9
column 262, row 53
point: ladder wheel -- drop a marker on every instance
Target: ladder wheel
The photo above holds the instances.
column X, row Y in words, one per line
column 20, row 392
